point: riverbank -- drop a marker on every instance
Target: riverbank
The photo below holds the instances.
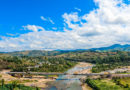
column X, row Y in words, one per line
column 34, row 81
column 72, row 82
column 84, row 70
column 86, row 87
column 42, row 81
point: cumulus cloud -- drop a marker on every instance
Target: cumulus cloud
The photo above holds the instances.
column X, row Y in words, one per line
column 107, row 25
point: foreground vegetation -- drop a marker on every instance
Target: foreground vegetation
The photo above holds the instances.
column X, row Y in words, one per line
column 15, row 86
column 107, row 84
column 124, row 82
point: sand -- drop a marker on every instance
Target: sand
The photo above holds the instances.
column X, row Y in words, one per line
column 37, row 81
column 84, row 71
column 41, row 81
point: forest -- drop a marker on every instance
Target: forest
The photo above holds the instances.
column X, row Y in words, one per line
column 102, row 60
column 35, row 64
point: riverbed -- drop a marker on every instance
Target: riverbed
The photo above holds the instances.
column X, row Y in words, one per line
column 71, row 82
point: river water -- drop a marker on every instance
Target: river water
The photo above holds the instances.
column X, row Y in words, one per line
column 68, row 82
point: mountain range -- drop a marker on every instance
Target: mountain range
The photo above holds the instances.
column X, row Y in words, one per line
column 114, row 47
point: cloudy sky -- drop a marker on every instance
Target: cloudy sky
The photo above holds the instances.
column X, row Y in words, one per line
column 63, row 24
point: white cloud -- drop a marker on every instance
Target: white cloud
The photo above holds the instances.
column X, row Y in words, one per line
column 47, row 19
column 43, row 18
column 51, row 21
column 107, row 25
column 77, row 9
column 69, row 19
column 33, row 28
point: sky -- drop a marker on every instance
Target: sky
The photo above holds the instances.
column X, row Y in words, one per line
column 63, row 24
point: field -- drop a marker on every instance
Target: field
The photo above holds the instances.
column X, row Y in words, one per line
column 124, row 82
column 108, row 84
column 17, row 87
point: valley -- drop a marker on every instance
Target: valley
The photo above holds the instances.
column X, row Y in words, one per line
column 82, row 69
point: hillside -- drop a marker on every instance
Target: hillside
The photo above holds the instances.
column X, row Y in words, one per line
column 37, row 53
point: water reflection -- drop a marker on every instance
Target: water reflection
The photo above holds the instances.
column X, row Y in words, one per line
column 68, row 82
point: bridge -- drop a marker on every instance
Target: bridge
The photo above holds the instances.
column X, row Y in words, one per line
column 45, row 73
column 109, row 75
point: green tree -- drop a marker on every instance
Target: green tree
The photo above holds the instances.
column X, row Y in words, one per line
column 2, row 82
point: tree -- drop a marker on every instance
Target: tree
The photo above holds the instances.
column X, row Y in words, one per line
column 2, row 82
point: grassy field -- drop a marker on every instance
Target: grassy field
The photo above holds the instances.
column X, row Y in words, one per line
column 124, row 82
column 107, row 84
column 17, row 87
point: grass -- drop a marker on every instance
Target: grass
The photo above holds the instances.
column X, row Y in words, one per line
column 105, row 84
column 21, row 81
column 124, row 73
column 52, row 76
column 124, row 82
column 0, row 76
column 17, row 87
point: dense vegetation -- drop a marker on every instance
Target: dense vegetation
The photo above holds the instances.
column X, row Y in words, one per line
column 103, row 60
column 64, row 60
column 111, row 62
column 54, row 65
column 36, row 64
column 96, row 57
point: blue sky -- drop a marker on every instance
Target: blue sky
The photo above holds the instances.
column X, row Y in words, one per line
column 16, row 13
column 63, row 24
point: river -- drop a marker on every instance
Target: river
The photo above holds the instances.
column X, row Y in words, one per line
column 71, row 82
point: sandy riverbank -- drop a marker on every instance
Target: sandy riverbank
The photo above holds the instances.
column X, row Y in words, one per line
column 41, row 81
column 84, row 71
column 36, row 81
column 86, row 87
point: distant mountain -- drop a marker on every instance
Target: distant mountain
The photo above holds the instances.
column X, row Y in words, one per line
column 58, row 52
column 114, row 47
